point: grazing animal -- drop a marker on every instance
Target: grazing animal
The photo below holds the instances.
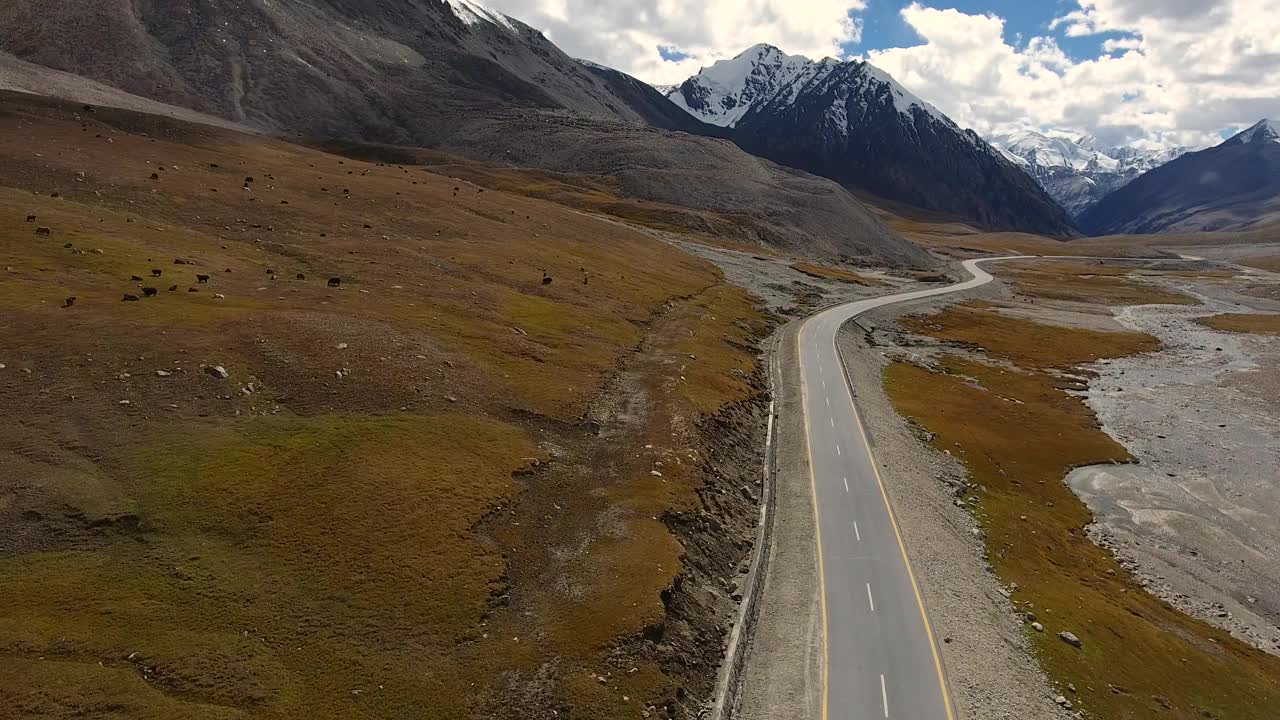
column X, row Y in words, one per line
column 202, row 278
column 149, row 292
column 31, row 218
column 193, row 289
column 69, row 302
column 43, row 231
column 155, row 176
column 270, row 271
column 129, row 298
column 546, row 280
column 135, row 278
column 335, row 282
column 173, row 288
column 156, row 273
column 301, row 276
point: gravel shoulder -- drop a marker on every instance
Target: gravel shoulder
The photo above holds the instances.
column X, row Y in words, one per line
column 781, row 677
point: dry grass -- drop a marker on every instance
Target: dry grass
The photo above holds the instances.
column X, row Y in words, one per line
column 1092, row 281
column 1024, row 342
column 1270, row 263
column 304, row 536
column 825, row 272
column 1019, row 434
column 1244, row 323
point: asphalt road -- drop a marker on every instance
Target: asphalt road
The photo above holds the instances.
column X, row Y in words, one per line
column 881, row 659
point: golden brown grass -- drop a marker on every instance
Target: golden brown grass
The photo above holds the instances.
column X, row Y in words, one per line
column 1024, row 342
column 1018, row 435
column 825, row 272
column 1244, row 323
column 1088, row 281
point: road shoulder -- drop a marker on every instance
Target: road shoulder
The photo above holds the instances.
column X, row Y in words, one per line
column 783, row 670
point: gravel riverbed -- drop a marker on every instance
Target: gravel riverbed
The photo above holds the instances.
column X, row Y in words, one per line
column 1197, row 517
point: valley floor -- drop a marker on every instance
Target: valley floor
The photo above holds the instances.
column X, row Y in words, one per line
column 989, row 383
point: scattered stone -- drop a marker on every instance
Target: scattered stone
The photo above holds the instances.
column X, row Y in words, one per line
column 1070, row 638
column 163, row 373
column 217, row 371
column 129, row 298
column 1037, row 627
column 69, row 302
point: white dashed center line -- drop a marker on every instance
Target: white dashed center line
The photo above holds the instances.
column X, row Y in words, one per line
column 870, row 600
column 838, row 449
column 884, row 696
column 857, row 535
column 846, row 486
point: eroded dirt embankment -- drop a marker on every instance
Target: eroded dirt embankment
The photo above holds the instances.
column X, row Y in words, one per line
column 1197, row 517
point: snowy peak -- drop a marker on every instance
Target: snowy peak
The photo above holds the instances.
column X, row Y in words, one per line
column 1078, row 171
column 763, row 75
column 723, row 93
column 1053, row 152
column 472, row 12
column 1264, row 131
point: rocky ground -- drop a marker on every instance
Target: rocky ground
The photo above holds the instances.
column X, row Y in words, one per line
column 1196, row 517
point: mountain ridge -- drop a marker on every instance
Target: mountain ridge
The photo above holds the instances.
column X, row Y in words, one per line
column 1079, row 171
column 1232, row 186
column 450, row 76
column 853, row 123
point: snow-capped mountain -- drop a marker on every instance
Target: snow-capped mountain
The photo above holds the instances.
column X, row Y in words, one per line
column 1234, row 186
column 1263, row 131
column 1081, row 171
column 852, row 122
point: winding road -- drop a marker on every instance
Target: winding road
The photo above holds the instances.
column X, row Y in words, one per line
column 880, row 656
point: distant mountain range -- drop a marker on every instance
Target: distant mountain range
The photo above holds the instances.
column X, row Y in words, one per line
column 1078, row 172
column 1234, row 186
column 852, row 122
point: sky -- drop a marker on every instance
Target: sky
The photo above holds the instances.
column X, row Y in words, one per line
column 1150, row 73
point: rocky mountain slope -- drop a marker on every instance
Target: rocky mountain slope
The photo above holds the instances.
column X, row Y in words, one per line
column 454, row 76
column 852, row 122
column 1233, row 186
column 1081, row 171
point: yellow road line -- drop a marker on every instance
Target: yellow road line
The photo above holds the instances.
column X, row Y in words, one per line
column 817, row 528
column 915, row 587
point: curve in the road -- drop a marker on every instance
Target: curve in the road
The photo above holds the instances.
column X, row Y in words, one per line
column 880, row 656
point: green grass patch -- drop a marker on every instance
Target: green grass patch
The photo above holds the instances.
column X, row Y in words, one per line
column 282, row 564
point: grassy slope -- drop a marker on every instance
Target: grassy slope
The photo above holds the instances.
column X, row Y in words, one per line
column 1019, row 434
column 288, row 543
column 1244, row 323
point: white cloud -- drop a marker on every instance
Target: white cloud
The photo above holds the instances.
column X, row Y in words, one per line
column 1175, row 71
column 626, row 35
column 1182, row 71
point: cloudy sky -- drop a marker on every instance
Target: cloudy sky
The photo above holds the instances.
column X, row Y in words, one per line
column 1146, row 72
